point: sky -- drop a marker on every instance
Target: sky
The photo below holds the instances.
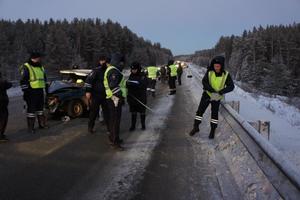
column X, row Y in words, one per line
column 183, row 26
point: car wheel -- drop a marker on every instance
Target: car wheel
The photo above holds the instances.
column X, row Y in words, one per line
column 75, row 108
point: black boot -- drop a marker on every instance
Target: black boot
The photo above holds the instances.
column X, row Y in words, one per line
column 194, row 131
column 133, row 121
column 30, row 124
column 91, row 130
column 42, row 121
column 195, row 128
column 118, row 147
column 212, row 133
column 153, row 94
column 143, row 120
column 3, row 138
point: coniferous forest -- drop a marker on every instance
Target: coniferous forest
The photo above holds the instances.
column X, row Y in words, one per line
column 266, row 59
column 67, row 43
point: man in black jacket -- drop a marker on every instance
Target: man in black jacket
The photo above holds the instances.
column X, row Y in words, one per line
column 137, row 94
column 95, row 93
column 115, row 87
column 216, row 83
column 4, row 85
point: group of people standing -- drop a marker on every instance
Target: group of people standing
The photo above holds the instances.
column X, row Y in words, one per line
column 107, row 88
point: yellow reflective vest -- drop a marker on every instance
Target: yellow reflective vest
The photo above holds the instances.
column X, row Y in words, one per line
column 152, row 72
column 122, row 84
column 36, row 76
column 217, row 82
column 173, row 69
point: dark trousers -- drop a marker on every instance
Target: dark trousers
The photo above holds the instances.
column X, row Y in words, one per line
column 114, row 120
column 3, row 119
column 204, row 103
column 94, row 111
column 179, row 78
column 151, row 84
column 172, row 83
column 163, row 78
column 35, row 106
column 35, row 102
column 134, row 117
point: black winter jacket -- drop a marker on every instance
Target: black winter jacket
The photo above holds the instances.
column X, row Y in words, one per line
column 4, row 85
column 94, row 83
column 137, row 89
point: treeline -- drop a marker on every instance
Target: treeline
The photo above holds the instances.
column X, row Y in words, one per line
column 66, row 43
column 267, row 59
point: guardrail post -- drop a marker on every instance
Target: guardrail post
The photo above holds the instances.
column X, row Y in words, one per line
column 263, row 127
column 235, row 105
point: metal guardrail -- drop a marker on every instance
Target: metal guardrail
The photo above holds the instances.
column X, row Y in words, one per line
column 283, row 175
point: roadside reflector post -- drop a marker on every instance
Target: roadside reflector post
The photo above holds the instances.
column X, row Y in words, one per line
column 263, row 127
column 235, row 105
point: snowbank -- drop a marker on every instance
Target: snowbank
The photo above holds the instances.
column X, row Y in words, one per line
column 284, row 118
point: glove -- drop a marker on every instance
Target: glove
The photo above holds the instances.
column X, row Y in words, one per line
column 115, row 99
column 215, row 96
column 210, row 89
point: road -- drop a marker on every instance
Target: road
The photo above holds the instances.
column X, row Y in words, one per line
column 163, row 162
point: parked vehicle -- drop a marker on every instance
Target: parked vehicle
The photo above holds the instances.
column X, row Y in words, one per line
column 67, row 96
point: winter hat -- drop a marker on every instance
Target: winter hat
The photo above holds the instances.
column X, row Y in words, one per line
column 103, row 57
column 135, row 65
column 117, row 58
column 171, row 62
column 35, row 54
column 218, row 60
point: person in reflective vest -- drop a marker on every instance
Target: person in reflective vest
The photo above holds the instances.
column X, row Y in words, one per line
column 172, row 74
column 116, row 92
column 152, row 72
column 33, row 84
column 216, row 82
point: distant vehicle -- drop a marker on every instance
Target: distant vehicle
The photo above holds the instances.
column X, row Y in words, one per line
column 67, row 96
column 183, row 64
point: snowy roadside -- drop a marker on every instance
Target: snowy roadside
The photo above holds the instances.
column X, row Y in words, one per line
column 14, row 92
column 285, row 119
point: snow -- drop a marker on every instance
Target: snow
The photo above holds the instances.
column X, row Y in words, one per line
column 284, row 118
column 14, row 92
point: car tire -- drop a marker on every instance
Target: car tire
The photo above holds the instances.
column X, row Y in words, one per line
column 75, row 108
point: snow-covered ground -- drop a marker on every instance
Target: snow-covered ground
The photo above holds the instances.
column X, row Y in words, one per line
column 284, row 118
column 15, row 91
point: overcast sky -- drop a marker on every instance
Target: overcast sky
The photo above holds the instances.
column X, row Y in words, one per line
column 181, row 25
